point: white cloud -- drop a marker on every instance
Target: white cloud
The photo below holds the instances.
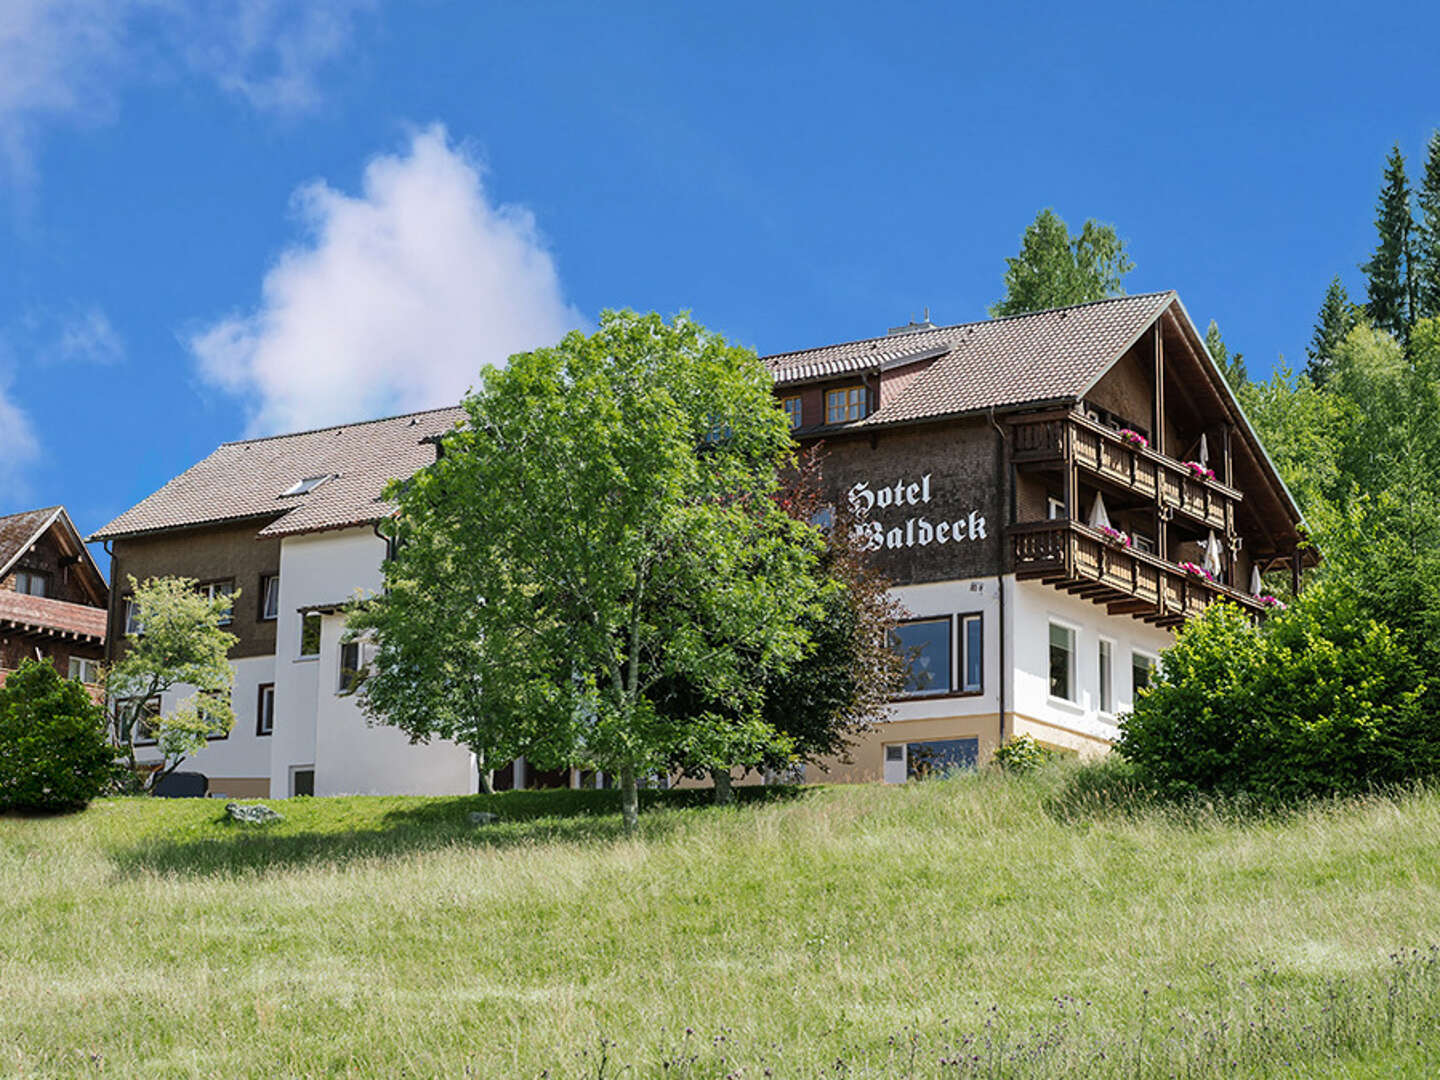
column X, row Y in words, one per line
column 89, row 337
column 394, row 300
column 70, row 58
column 18, row 445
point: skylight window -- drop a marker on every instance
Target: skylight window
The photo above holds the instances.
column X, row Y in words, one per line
column 305, row 486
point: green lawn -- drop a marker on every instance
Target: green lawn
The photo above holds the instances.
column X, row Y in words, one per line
column 956, row 928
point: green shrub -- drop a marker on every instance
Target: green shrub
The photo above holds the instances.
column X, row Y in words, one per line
column 54, row 754
column 1022, row 754
column 1316, row 701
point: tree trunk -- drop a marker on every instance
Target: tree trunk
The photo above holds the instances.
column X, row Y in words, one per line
column 724, row 792
column 629, row 799
column 487, row 776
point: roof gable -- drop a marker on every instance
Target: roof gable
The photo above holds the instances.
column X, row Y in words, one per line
column 20, row 532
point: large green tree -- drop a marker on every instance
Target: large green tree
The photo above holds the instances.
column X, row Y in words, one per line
column 179, row 646
column 1427, row 236
column 594, row 484
column 54, row 754
column 1337, row 318
column 1231, row 365
column 1055, row 268
column 1390, row 282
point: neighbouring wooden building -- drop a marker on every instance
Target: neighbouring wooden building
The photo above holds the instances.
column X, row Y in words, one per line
column 1052, row 494
column 52, row 596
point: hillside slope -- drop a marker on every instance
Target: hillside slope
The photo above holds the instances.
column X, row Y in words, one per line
column 942, row 929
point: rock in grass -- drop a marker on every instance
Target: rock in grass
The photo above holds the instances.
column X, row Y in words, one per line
column 251, row 815
column 483, row 817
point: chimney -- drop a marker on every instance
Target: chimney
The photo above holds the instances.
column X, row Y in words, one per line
column 912, row 327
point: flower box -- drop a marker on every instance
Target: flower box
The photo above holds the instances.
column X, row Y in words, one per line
column 1134, row 438
column 1196, row 570
column 1200, row 472
column 1115, row 536
column 1274, row 603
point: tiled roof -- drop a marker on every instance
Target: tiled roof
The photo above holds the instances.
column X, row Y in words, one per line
column 41, row 614
column 244, row 480
column 1044, row 356
column 17, row 531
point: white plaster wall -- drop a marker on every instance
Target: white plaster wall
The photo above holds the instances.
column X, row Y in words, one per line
column 943, row 598
column 242, row 753
column 1031, row 605
column 353, row 757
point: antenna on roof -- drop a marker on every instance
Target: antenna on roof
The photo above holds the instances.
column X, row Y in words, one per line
column 912, row 327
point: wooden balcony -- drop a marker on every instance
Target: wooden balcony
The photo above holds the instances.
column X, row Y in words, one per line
column 1084, row 561
column 1068, row 437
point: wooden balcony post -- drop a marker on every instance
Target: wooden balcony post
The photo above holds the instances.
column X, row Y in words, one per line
column 1158, row 401
column 1072, row 491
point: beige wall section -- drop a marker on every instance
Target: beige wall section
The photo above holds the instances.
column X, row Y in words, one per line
column 867, row 753
column 1057, row 738
column 240, row 787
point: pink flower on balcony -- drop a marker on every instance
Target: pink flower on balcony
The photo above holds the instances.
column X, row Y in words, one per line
column 1134, row 438
column 1200, row 472
column 1115, row 536
column 1274, row 603
column 1196, row 570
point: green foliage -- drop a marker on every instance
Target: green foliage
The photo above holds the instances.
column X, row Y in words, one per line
column 181, row 643
column 605, row 522
column 1427, row 236
column 1319, row 700
column 1337, row 318
column 1390, row 282
column 1231, row 365
column 54, row 753
column 1055, row 268
column 1022, row 754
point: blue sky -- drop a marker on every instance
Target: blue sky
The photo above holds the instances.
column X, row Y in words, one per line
column 226, row 218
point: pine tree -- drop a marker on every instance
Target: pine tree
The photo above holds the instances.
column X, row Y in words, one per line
column 1231, row 365
column 1337, row 318
column 1427, row 237
column 1391, row 283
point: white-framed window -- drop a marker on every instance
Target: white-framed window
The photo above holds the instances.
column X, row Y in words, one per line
column 793, row 411
column 972, row 653
column 1055, row 508
column 32, row 583
column 925, row 644
column 144, row 733
column 265, row 709
column 269, row 597
column 1106, row 657
column 85, row 670
column 212, row 589
column 351, row 667
column 1142, row 669
column 130, row 610
column 1062, row 662
column 847, row 403
column 310, row 633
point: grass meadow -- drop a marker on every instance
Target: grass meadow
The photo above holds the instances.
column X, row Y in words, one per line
column 982, row 926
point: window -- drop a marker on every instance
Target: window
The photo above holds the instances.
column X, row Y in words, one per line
column 1143, row 543
column 792, row 410
column 83, row 670
column 846, row 404
column 926, row 648
column 310, row 634
column 32, row 583
column 349, row 667
column 269, row 596
column 305, row 486
column 212, row 589
column 972, row 661
column 302, row 781
column 133, row 623
column 927, row 760
column 1062, row 662
column 1055, row 509
column 265, row 709
column 1142, row 666
column 217, row 729
column 1107, row 689
column 144, row 733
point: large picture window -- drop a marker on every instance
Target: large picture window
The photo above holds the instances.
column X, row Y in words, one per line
column 928, row 760
column 1062, row 662
column 925, row 645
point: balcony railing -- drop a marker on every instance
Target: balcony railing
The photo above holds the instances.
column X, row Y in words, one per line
column 1096, row 449
column 1083, row 560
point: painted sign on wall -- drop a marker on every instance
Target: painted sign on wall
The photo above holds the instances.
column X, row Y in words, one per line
column 916, row 530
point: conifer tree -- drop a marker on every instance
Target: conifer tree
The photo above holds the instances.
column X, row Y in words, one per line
column 1231, row 365
column 1337, row 318
column 1427, row 237
column 1389, row 272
